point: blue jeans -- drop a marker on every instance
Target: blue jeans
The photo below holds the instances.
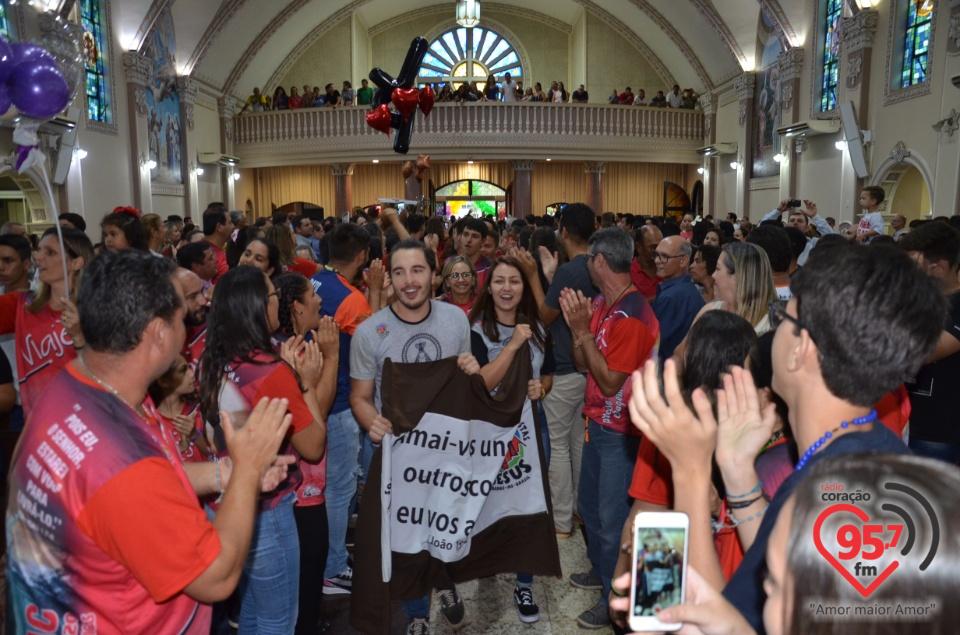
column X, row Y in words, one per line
column 417, row 608
column 343, row 467
column 603, row 496
column 949, row 452
column 269, row 586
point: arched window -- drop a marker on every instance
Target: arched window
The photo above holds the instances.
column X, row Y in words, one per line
column 830, row 54
column 916, row 43
column 469, row 55
column 95, row 59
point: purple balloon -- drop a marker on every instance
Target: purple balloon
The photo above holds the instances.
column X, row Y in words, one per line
column 38, row 89
column 25, row 51
column 5, row 101
column 6, row 60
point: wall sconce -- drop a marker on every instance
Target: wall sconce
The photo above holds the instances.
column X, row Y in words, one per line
column 235, row 176
column 840, row 145
column 948, row 124
column 734, row 165
column 81, row 153
column 197, row 171
column 865, row 4
column 779, row 158
column 150, row 164
column 700, row 170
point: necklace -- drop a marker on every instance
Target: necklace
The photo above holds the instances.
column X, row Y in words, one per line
column 869, row 418
column 109, row 388
column 611, row 306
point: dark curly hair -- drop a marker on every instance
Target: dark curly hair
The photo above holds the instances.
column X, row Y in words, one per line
column 291, row 287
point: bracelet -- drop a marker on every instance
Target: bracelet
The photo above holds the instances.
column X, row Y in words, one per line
column 219, row 484
column 744, row 503
column 736, row 521
column 753, row 491
column 543, row 392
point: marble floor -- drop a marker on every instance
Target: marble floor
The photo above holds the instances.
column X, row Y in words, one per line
column 489, row 603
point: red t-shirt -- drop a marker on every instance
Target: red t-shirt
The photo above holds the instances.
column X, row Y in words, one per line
column 626, row 334
column 646, row 285
column 43, row 345
column 304, row 267
column 221, row 257
column 192, row 454
column 104, row 528
column 245, row 385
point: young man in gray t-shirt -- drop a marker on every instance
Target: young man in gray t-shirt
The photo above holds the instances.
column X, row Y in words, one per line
column 412, row 329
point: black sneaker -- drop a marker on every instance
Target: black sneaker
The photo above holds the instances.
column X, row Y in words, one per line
column 587, row 581
column 451, row 605
column 527, row 609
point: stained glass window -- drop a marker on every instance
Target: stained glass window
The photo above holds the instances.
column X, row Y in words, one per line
column 916, row 43
column 5, row 30
column 469, row 55
column 831, row 55
column 95, row 60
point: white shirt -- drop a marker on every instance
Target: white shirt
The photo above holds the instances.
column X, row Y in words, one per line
column 675, row 100
column 509, row 90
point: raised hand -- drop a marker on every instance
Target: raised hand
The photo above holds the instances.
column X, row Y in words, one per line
column 255, row 445
column 548, row 261
column 327, row 337
column 742, row 428
column 577, row 311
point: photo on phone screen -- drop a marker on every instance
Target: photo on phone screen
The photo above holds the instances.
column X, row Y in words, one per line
column 659, row 555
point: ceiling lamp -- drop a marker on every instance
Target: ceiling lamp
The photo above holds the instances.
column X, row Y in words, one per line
column 468, row 13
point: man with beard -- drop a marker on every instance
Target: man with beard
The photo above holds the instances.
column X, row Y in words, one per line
column 413, row 329
column 195, row 317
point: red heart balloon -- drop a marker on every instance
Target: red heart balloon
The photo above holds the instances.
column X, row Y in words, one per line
column 865, row 591
column 379, row 119
column 427, row 98
column 405, row 100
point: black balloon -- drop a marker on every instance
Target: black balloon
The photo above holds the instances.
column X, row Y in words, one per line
column 407, row 78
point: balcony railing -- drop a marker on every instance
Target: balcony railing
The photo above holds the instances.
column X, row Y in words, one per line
column 480, row 131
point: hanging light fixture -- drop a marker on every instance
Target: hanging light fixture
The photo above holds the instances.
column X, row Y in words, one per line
column 468, row 13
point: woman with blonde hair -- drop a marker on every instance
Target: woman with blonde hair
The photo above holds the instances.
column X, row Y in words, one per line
column 281, row 236
column 459, row 278
column 153, row 228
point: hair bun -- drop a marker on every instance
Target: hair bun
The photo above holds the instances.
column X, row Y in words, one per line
column 133, row 211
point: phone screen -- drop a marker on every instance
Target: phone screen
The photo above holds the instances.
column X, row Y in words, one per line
column 658, row 557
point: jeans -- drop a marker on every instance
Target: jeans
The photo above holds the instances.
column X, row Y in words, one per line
column 312, row 532
column 563, row 407
column 604, row 500
column 269, row 585
column 949, row 452
column 343, row 467
column 417, row 608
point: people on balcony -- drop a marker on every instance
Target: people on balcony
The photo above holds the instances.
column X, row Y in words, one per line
column 255, row 102
column 347, row 95
column 640, row 99
column 626, row 97
column 296, row 101
column 280, row 99
column 364, row 94
column 580, row 95
column 491, row 91
column 659, row 101
column 560, row 95
column 675, row 99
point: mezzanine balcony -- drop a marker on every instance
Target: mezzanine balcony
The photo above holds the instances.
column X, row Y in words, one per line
column 489, row 131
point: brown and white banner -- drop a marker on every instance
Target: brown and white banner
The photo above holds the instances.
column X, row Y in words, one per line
column 463, row 489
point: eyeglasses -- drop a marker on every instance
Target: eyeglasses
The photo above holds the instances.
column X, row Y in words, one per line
column 778, row 313
column 661, row 256
column 276, row 292
column 466, row 275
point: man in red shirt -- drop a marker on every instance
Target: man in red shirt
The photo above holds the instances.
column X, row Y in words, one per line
column 217, row 229
column 94, row 457
column 612, row 336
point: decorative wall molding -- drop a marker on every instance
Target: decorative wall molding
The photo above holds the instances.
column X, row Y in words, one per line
column 953, row 31
column 786, row 96
column 899, row 152
column 101, row 127
column 525, row 165
column 595, row 167
column 854, row 70
column 790, row 64
column 157, row 7
column 765, row 183
column 892, row 95
column 746, row 86
column 140, row 101
column 137, row 68
column 188, row 89
column 742, row 115
column 858, row 32
column 227, row 106
column 708, row 103
column 342, row 169
column 166, row 189
column 779, row 17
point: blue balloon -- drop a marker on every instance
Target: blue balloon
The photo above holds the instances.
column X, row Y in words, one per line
column 6, row 60
column 38, row 89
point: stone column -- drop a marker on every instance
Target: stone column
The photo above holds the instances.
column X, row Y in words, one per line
column 709, row 102
column 745, row 86
column 343, row 175
column 790, row 64
column 594, row 172
column 856, row 52
column 227, row 107
column 522, row 191
column 137, row 70
column 188, row 97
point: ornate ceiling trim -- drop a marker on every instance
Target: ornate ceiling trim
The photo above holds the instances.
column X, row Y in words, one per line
column 220, row 21
column 487, row 6
column 784, row 29
column 309, row 40
column 148, row 24
column 708, row 11
column 268, row 32
column 677, row 39
column 629, row 35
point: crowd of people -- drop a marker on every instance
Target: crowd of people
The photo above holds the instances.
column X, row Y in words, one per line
column 225, row 381
column 493, row 89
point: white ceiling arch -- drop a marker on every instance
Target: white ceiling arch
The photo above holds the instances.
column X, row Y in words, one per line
column 233, row 43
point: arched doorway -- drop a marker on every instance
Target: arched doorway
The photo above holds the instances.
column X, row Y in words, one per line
column 907, row 193
column 471, row 197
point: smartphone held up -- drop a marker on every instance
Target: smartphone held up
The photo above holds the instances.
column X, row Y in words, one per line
column 659, row 572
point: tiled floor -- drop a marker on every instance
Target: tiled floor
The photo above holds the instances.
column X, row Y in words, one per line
column 489, row 603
